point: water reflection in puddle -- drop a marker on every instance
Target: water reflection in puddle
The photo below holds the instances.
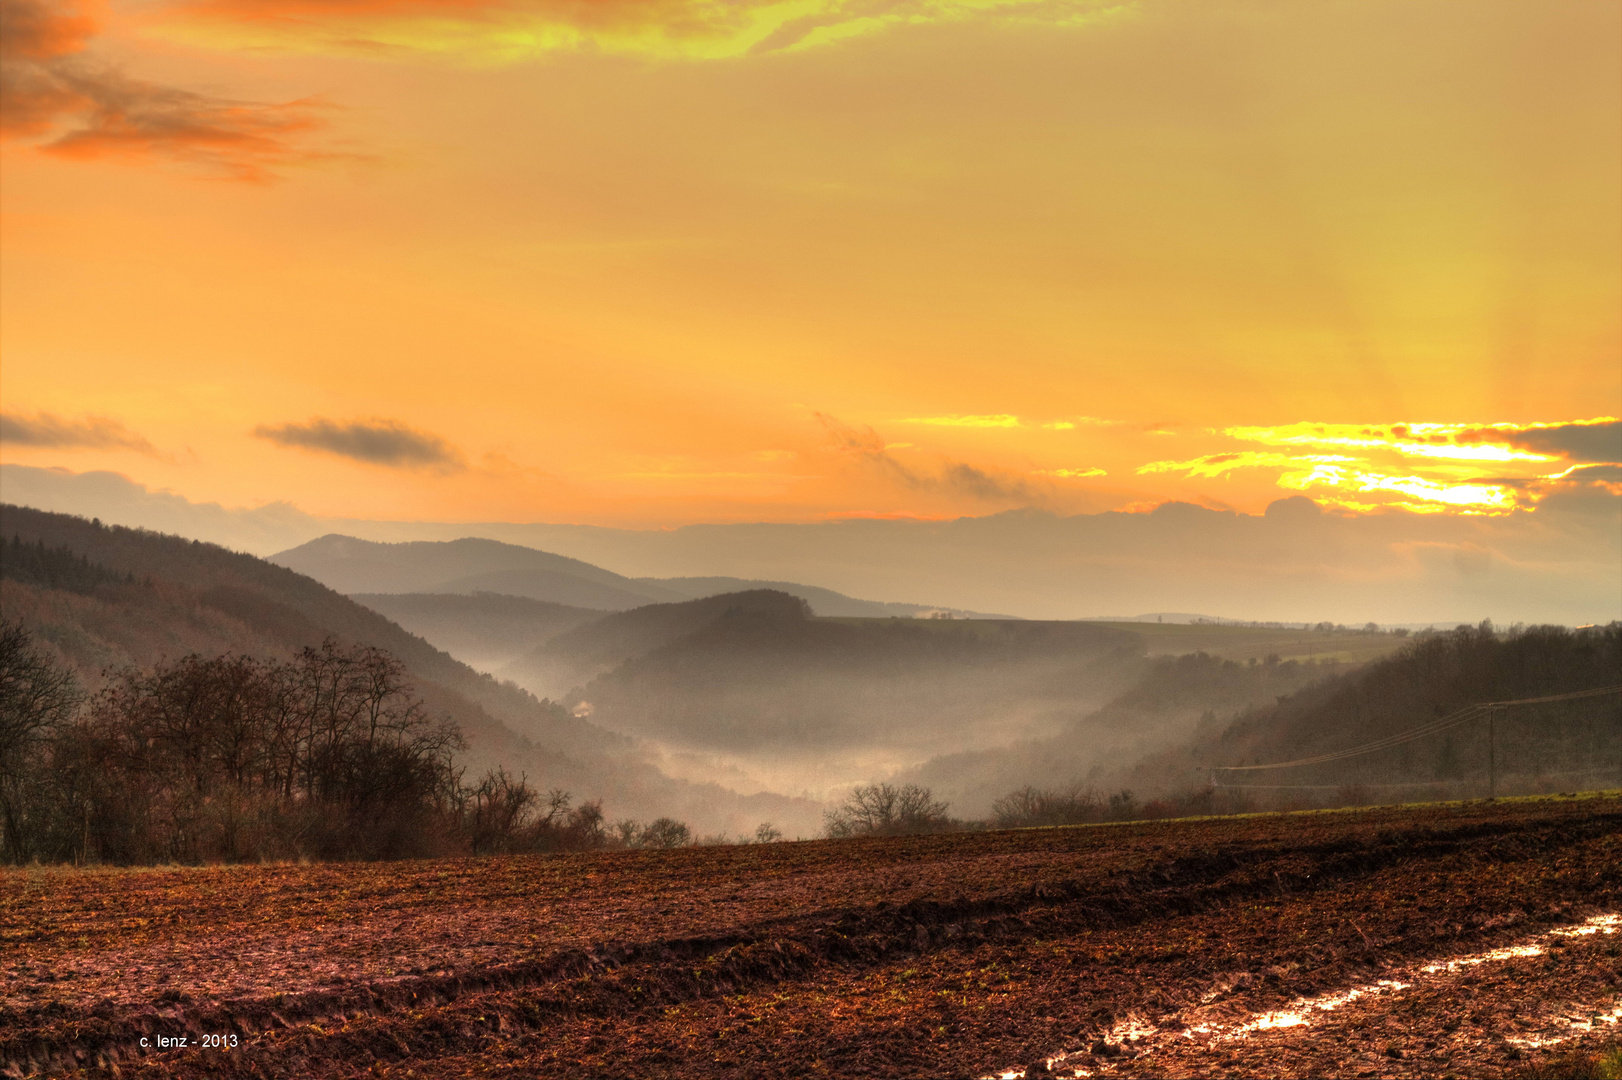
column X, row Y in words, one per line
column 1133, row 1033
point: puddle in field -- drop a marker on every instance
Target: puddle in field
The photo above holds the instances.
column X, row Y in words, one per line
column 1136, row 1037
column 1300, row 1012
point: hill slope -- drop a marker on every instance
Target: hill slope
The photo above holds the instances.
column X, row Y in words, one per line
column 1565, row 744
column 1174, row 699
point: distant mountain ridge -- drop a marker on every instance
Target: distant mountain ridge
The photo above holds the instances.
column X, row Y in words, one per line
column 468, row 565
column 473, row 565
column 1558, row 565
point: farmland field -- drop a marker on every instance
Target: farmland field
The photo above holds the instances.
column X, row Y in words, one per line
column 1467, row 938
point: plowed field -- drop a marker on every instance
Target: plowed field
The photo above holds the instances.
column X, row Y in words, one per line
column 1471, row 939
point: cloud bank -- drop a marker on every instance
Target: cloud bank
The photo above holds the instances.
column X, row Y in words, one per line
column 510, row 30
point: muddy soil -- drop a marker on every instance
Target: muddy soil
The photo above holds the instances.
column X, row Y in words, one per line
column 1470, row 939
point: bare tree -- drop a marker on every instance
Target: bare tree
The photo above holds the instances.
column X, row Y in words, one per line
column 1030, row 806
column 496, row 812
column 883, row 810
column 36, row 698
column 665, row 833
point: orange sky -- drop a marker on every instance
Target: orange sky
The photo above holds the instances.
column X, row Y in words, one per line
column 652, row 262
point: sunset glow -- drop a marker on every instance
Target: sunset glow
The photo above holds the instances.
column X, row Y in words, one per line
column 656, row 263
column 1420, row 467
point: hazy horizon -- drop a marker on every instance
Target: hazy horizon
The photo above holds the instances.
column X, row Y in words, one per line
column 1294, row 563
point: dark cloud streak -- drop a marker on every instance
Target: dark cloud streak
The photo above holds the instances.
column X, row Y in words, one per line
column 956, row 478
column 375, row 442
column 1600, row 443
column 92, row 432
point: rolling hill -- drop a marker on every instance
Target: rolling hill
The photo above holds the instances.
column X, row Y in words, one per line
column 1174, row 702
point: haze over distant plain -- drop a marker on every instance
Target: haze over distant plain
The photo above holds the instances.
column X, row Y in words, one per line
column 1294, row 562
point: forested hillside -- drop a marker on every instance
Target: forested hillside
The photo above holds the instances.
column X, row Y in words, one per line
column 1167, row 703
column 99, row 598
column 823, row 601
column 1153, row 748
column 1573, row 743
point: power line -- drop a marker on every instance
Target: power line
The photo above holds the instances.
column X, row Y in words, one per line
column 1421, row 784
column 1463, row 716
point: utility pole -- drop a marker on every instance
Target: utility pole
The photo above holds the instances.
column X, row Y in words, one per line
column 1492, row 754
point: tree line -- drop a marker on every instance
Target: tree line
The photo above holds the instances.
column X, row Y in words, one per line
column 327, row 755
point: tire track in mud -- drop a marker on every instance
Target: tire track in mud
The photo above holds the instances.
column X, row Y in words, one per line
column 424, row 1017
column 1195, row 1042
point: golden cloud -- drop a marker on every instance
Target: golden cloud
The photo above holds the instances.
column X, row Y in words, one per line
column 1004, row 420
column 50, row 88
column 510, row 30
column 1453, row 442
column 1071, row 474
column 988, row 420
column 1421, row 467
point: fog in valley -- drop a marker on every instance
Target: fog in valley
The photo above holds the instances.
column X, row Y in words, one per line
column 782, row 690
